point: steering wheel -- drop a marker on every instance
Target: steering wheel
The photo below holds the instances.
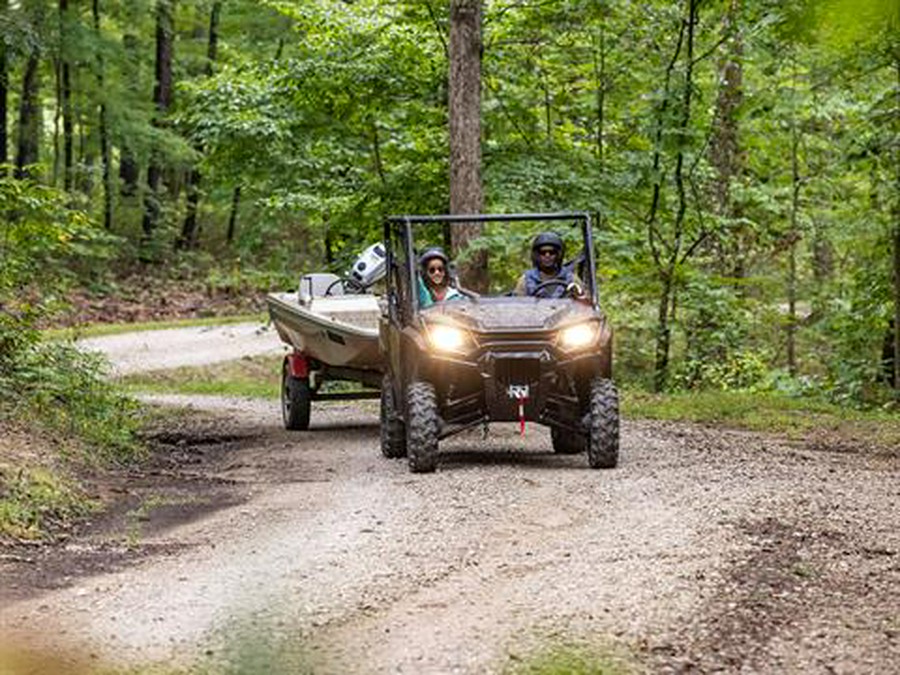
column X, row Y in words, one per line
column 334, row 283
column 550, row 283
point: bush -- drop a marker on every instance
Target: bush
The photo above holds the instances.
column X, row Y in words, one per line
column 53, row 385
column 34, row 501
column 742, row 370
column 62, row 389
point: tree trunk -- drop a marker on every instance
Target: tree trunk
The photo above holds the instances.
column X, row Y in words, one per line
column 465, row 133
column 189, row 230
column 667, row 266
column 68, row 124
column 232, row 217
column 896, row 378
column 725, row 155
column 104, row 125
column 162, row 99
column 129, row 169
column 794, row 236
column 4, row 97
column 663, row 337
column 600, row 78
column 28, row 146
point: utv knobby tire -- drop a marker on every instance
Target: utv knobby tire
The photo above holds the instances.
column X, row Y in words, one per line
column 566, row 442
column 421, row 427
column 295, row 400
column 603, row 438
column 393, row 432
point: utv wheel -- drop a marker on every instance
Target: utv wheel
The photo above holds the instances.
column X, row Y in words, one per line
column 295, row 400
column 421, row 427
column 603, row 439
column 566, row 442
column 393, row 432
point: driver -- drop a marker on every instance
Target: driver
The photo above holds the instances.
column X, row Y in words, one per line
column 434, row 278
column 547, row 252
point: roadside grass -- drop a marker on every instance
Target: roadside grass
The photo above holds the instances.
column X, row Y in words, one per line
column 35, row 500
column 250, row 377
column 569, row 659
column 101, row 329
column 794, row 417
column 59, row 419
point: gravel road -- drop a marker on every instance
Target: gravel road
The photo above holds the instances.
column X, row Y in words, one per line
column 705, row 551
column 190, row 346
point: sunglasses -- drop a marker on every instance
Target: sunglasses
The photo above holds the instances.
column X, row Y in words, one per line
column 547, row 251
column 434, row 269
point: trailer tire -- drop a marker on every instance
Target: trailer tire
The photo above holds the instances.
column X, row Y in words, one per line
column 422, row 427
column 566, row 442
column 603, row 438
column 295, row 400
column 393, row 430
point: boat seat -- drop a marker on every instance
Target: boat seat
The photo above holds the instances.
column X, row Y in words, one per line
column 360, row 311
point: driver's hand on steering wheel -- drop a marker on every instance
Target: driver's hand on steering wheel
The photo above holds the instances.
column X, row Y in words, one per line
column 575, row 290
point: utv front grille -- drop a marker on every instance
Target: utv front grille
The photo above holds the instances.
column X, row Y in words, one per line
column 508, row 370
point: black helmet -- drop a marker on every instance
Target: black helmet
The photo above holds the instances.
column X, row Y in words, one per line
column 431, row 253
column 547, row 239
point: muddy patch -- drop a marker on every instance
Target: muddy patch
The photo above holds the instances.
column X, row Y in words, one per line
column 180, row 482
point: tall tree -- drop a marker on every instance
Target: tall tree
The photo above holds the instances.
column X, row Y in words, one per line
column 129, row 168
column 466, row 193
column 189, row 230
column 105, row 155
column 896, row 211
column 28, row 146
column 162, row 100
column 670, row 248
column 4, row 93
column 725, row 153
column 65, row 91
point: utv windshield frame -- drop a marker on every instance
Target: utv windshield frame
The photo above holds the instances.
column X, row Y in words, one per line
column 398, row 233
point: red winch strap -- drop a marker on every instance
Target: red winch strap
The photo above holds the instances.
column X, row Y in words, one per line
column 521, row 402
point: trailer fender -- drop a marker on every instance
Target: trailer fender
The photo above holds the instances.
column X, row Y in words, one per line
column 298, row 365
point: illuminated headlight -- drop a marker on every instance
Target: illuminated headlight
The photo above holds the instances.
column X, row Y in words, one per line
column 579, row 336
column 447, row 338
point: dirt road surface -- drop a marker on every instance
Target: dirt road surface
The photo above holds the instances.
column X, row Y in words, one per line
column 189, row 346
column 250, row 549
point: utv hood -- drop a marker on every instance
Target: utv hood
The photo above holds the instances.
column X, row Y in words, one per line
column 511, row 313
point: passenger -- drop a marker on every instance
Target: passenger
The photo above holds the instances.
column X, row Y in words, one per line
column 434, row 278
column 547, row 251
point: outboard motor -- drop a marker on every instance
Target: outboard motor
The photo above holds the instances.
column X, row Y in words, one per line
column 369, row 267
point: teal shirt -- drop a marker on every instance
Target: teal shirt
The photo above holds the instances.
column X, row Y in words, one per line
column 426, row 299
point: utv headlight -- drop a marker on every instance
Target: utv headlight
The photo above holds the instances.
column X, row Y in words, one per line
column 447, row 338
column 579, row 336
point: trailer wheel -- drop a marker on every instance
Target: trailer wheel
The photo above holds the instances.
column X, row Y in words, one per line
column 422, row 427
column 393, row 431
column 295, row 400
column 603, row 439
column 566, row 442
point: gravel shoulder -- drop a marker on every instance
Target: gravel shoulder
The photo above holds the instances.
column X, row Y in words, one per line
column 247, row 548
column 188, row 346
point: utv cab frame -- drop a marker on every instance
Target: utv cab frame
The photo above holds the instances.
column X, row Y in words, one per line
column 495, row 358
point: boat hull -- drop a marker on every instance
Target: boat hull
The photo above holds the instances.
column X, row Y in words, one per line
column 340, row 331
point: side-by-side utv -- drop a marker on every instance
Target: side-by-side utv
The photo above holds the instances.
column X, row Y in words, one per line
column 496, row 356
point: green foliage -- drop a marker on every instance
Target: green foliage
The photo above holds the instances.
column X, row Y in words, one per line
column 253, row 377
column 43, row 242
column 569, row 659
column 64, row 390
column 43, row 245
column 329, row 115
column 35, row 501
column 796, row 416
